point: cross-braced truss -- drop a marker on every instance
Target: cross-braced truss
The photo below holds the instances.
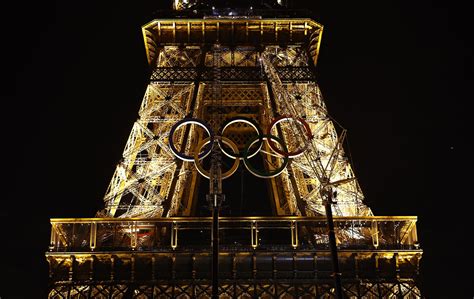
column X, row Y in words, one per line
column 324, row 157
column 149, row 181
column 142, row 179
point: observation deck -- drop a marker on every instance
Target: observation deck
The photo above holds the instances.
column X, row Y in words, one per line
column 232, row 31
column 258, row 256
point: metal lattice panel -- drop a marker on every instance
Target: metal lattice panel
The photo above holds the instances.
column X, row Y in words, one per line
column 238, row 57
column 295, row 74
column 173, row 56
column 291, row 56
column 174, row 74
column 142, row 179
column 325, row 156
column 260, row 289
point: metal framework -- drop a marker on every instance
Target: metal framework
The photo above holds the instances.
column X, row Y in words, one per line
column 145, row 242
column 255, row 84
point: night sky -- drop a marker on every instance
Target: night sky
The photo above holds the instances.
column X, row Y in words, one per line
column 397, row 76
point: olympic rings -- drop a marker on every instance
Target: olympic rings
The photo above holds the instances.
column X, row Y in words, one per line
column 247, row 121
column 181, row 123
column 204, row 172
column 296, row 152
column 261, row 174
column 207, row 143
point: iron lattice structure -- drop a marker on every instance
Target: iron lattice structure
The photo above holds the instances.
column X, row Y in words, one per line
column 256, row 83
column 218, row 69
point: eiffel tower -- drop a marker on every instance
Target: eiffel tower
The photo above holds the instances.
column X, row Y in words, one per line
column 234, row 182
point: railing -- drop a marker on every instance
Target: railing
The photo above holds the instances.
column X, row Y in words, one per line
column 235, row 233
column 286, row 74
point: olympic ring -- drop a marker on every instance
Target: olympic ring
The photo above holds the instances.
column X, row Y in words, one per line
column 181, row 123
column 226, row 174
column 296, row 152
column 262, row 174
column 247, row 121
column 207, row 144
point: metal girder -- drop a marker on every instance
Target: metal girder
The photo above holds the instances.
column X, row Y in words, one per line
column 232, row 32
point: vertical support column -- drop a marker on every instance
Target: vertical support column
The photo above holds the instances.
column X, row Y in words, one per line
column 71, row 268
column 215, row 197
column 294, row 266
column 376, row 265
column 234, row 275
column 193, row 266
column 396, row 265
column 174, row 32
column 203, row 32
column 246, row 32
column 54, row 237
column 173, row 267
column 153, row 271
column 254, row 234
column 50, row 267
column 254, row 266
column 275, row 29
column 294, row 234
column 291, row 31
column 193, row 272
column 377, row 273
column 132, row 267
column 173, row 274
column 375, row 234
column 332, row 242
column 254, row 275
column 357, row 275
column 315, row 266
column 167, row 205
column 93, row 236
column 215, row 248
column 274, row 269
column 91, row 268
column 133, row 235
column 356, row 265
column 234, row 266
column 418, row 258
column 112, row 267
column 174, row 235
column 414, row 237
column 189, row 32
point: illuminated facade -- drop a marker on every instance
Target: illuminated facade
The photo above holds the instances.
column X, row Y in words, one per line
column 237, row 85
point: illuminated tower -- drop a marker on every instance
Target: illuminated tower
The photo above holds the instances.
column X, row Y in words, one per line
column 233, row 93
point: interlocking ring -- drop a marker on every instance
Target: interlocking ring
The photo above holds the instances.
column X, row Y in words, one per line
column 263, row 174
column 204, row 172
column 296, row 152
column 184, row 122
column 249, row 122
column 280, row 151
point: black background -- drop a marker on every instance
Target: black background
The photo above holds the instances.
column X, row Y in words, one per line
column 397, row 75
